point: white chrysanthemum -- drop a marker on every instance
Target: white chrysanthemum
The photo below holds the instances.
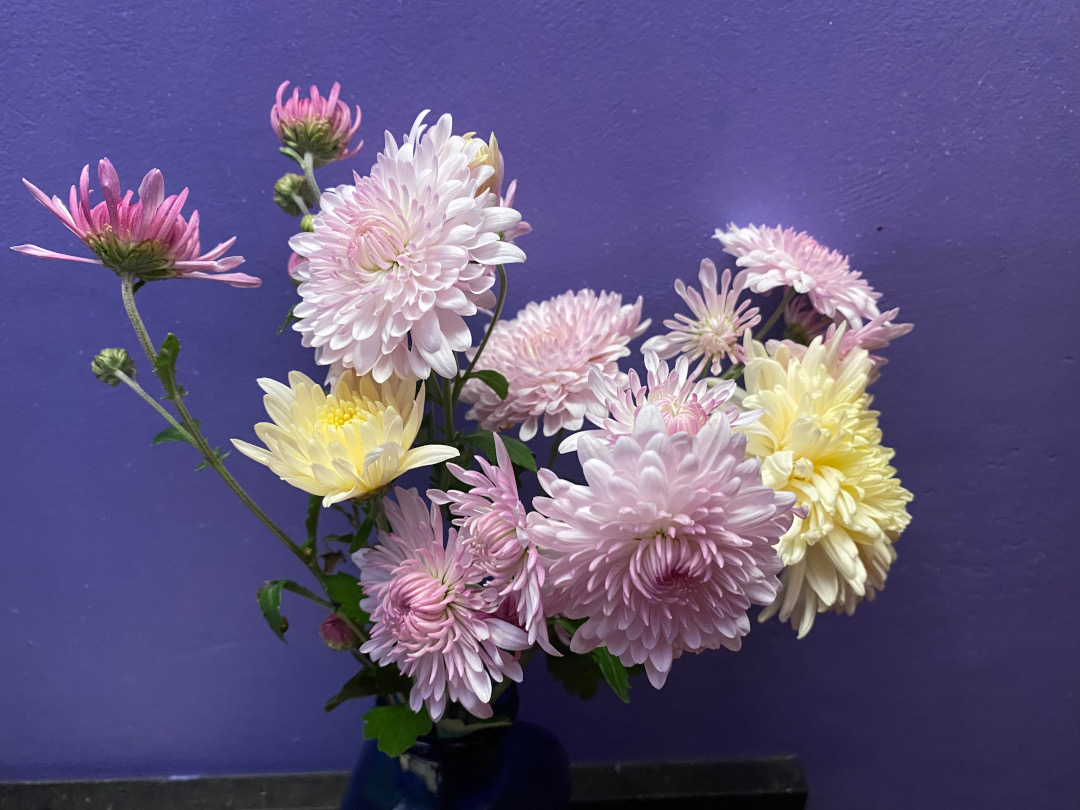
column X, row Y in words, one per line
column 817, row 438
column 400, row 258
column 347, row 444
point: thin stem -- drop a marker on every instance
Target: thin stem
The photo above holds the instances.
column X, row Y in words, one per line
column 555, row 448
column 153, row 403
column 764, row 330
column 296, row 198
column 309, row 173
column 460, row 381
column 127, row 289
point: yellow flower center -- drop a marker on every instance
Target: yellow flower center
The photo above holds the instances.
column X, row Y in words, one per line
column 337, row 413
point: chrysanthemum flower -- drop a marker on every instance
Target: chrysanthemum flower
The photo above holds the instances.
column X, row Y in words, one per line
column 320, row 126
column 430, row 617
column 343, row 445
column 817, row 439
column 775, row 257
column 803, row 323
column 874, row 335
column 492, row 523
column 545, row 353
column 398, row 260
column 666, row 546
column 719, row 321
column 685, row 404
column 149, row 238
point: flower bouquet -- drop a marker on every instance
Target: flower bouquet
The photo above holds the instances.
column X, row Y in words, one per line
column 741, row 465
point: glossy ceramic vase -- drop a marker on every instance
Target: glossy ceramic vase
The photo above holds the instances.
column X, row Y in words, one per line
column 516, row 767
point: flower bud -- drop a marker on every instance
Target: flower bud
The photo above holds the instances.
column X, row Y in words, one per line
column 488, row 155
column 109, row 361
column 307, row 224
column 336, row 633
column 293, row 185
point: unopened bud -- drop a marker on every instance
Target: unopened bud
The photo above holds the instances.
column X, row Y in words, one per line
column 290, row 186
column 109, row 361
column 488, row 155
column 336, row 633
column 307, row 224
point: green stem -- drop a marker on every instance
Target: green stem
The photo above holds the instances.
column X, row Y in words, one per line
column 764, row 330
column 296, row 198
column 309, row 174
column 127, row 289
column 138, row 389
column 460, row 381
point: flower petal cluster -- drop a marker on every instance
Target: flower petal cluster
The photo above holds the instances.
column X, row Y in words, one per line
column 545, row 353
column 430, row 616
column 492, row 527
column 321, row 127
column 666, row 546
column 398, row 260
column 775, row 257
column 818, row 439
column 876, row 334
column 347, row 444
column 713, row 334
column 148, row 238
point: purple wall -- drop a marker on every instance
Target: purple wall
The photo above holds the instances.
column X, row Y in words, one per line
column 935, row 142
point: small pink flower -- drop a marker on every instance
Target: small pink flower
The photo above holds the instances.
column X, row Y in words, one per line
column 775, row 257
column 719, row 321
column 320, row 126
column 803, row 323
column 336, row 633
column 876, row 334
column 492, row 524
column 429, row 613
column 149, row 238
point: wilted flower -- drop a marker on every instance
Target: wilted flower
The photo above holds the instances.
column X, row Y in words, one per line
column 666, row 546
column 719, row 321
column 347, row 444
column 545, row 353
column 775, row 257
column 149, row 239
column 818, row 439
column 398, row 260
column 321, row 127
column 429, row 617
column 492, row 524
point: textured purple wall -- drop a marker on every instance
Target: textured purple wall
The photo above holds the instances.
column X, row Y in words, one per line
column 935, row 142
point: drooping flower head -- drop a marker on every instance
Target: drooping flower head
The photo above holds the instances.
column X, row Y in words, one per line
column 803, row 323
column 399, row 259
column 347, row 444
column 719, row 321
column 430, row 615
column 775, row 257
column 818, row 440
column 149, row 239
column 320, row 126
column 545, row 353
column 492, row 524
column 666, row 546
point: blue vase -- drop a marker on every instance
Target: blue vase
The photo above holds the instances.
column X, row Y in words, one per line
column 516, row 767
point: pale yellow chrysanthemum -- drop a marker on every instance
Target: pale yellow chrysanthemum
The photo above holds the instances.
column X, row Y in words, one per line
column 818, row 439
column 346, row 444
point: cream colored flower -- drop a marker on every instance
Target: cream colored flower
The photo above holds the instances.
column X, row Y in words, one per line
column 346, row 444
column 818, row 439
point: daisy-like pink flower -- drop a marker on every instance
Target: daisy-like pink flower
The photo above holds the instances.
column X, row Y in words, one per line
column 398, row 260
column 666, row 546
column 685, row 404
column 775, row 257
column 492, row 523
column 545, row 353
column 321, row 127
column 875, row 334
column 149, row 239
column 719, row 321
column 430, row 617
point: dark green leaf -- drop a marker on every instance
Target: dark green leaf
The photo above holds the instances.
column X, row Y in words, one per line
column 170, row 434
column 314, row 506
column 288, row 320
column 614, row 673
column 345, row 590
column 395, row 727
column 493, row 380
column 300, row 590
column 579, row 674
column 270, row 603
column 217, row 452
column 370, row 683
column 520, row 454
column 165, row 365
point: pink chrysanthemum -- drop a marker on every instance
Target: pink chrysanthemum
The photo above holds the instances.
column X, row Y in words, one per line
column 803, row 323
column 875, row 334
column 545, row 353
column 685, row 404
column 398, row 260
column 719, row 321
column 775, row 257
column 430, row 618
column 492, row 524
column 321, row 127
column 149, row 238
column 666, row 546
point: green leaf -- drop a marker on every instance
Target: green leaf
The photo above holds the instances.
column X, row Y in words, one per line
column 288, row 320
column 165, row 364
column 519, row 452
column 493, row 380
column 579, row 674
column 370, row 683
column 314, row 506
column 270, row 603
column 345, row 590
column 217, row 452
column 614, row 673
column 170, row 434
column 395, row 727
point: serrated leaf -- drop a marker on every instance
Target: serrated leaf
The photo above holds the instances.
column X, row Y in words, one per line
column 270, row 603
column 395, row 728
column 170, row 434
column 519, row 452
column 217, row 452
column 370, row 683
column 314, row 507
column 165, row 364
column 345, row 590
column 493, row 380
column 614, row 673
